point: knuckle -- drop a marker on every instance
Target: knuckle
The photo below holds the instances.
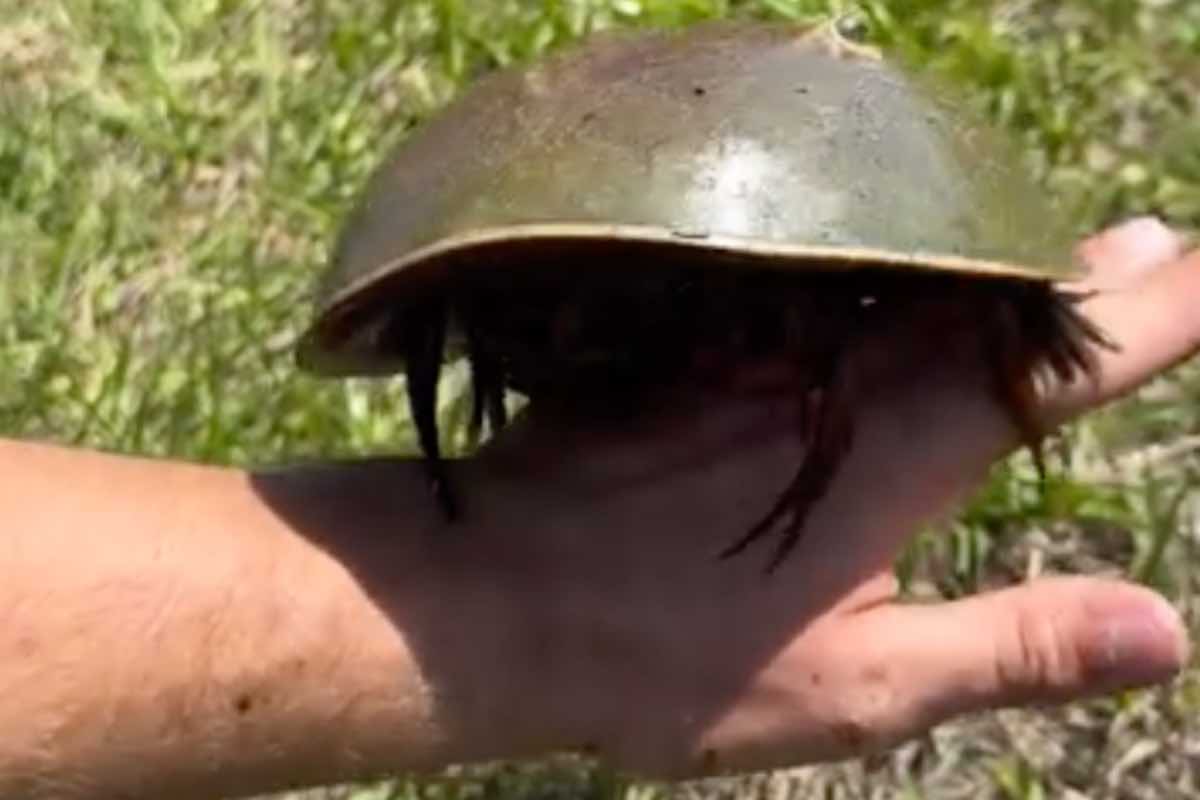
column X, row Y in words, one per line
column 1032, row 658
column 866, row 717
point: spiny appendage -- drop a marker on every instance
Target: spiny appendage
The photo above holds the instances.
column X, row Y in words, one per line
column 423, row 337
column 1083, row 337
column 819, row 332
column 1024, row 334
column 827, row 425
column 1013, row 351
column 1039, row 333
column 487, row 377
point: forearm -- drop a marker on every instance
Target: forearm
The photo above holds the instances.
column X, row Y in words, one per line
column 167, row 630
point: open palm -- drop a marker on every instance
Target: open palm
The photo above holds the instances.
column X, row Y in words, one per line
column 704, row 664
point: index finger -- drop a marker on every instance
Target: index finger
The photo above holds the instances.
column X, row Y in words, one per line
column 1155, row 321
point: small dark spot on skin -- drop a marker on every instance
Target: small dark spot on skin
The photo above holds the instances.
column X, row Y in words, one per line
column 700, row 91
column 243, row 703
column 815, row 679
column 876, row 673
column 589, row 117
column 801, row 90
column 852, row 736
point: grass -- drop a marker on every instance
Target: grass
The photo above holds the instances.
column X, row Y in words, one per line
column 173, row 172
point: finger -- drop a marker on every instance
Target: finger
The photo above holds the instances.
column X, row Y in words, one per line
column 1121, row 256
column 1156, row 325
column 1051, row 641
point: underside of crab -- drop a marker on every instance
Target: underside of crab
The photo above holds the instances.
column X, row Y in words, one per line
column 601, row 347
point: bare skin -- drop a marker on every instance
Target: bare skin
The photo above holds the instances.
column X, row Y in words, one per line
column 183, row 631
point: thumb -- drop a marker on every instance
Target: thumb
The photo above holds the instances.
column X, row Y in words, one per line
column 1050, row 641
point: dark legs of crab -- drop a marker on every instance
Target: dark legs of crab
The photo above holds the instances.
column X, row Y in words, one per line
column 1028, row 332
column 423, row 336
column 828, row 429
column 487, row 377
column 1039, row 331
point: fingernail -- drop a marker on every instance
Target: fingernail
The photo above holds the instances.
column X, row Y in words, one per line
column 1139, row 645
column 1156, row 240
column 1151, row 243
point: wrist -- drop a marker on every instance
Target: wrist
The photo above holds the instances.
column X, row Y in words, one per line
column 417, row 647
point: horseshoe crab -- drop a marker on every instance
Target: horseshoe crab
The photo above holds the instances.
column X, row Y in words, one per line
column 581, row 228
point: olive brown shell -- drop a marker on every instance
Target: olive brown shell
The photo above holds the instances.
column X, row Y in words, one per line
column 746, row 144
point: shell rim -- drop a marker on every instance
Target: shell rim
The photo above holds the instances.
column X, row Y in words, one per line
column 313, row 355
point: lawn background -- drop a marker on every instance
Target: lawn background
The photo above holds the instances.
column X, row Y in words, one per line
column 173, row 173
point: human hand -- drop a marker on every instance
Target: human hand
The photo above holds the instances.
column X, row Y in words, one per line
column 667, row 660
column 187, row 631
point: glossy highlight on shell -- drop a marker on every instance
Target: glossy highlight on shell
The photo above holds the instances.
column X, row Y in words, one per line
column 583, row 229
